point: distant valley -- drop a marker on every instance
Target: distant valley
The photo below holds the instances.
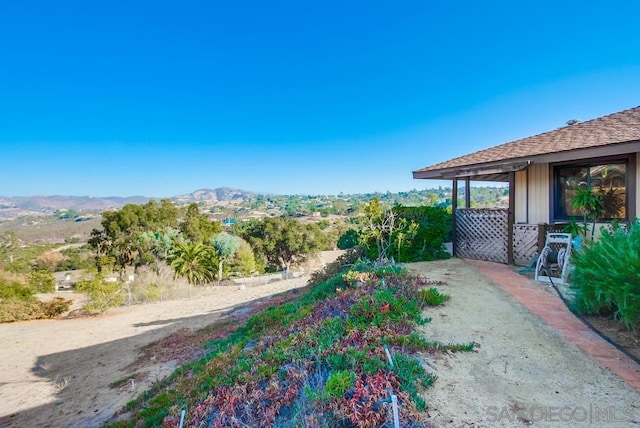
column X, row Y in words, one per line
column 57, row 218
column 13, row 207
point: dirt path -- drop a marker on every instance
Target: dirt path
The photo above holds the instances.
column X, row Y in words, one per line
column 522, row 372
column 56, row 373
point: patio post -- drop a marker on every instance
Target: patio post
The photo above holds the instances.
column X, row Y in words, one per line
column 467, row 192
column 454, row 207
column 511, row 216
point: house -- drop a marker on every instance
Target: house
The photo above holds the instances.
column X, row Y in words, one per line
column 544, row 172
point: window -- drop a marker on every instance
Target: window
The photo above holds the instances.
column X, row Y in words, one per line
column 608, row 180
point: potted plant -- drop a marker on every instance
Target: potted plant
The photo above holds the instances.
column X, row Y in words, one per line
column 591, row 206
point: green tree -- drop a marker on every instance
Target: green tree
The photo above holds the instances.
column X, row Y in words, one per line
column 348, row 239
column 196, row 226
column 121, row 229
column 157, row 245
column 225, row 247
column 243, row 262
column 282, row 242
column 193, row 261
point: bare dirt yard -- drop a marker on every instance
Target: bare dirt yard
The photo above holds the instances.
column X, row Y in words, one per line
column 521, row 373
column 79, row 372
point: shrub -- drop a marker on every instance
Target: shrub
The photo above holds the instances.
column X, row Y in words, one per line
column 606, row 276
column 146, row 292
column 432, row 297
column 348, row 239
column 434, row 229
column 15, row 290
column 42, row 281
column 102, row 294
column 15, row 309
column 55, row 307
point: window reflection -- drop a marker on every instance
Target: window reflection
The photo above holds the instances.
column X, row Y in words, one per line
column 606, row 180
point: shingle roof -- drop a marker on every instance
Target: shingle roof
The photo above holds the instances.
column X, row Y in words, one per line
column 615, row 128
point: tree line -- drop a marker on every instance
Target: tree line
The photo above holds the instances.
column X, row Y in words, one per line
column 197, row 248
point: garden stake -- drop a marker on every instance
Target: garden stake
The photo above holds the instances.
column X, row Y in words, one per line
column 396, row 417
column 184, row 411
column 386, row 350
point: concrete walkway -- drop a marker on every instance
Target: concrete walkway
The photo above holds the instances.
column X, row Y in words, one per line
column 550, row 309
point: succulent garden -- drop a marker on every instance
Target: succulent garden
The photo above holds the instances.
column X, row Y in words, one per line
column 341, row 354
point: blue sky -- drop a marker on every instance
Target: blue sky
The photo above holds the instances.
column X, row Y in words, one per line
column 159, row 98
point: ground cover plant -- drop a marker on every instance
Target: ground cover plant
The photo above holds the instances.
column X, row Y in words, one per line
column 333, row 357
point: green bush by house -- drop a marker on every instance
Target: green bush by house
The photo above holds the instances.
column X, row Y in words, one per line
column 606, row 277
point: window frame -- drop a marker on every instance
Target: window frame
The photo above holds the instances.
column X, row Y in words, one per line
column 628, row 160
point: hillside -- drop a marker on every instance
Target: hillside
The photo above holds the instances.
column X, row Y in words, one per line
column 55, row 218
column 17, row 206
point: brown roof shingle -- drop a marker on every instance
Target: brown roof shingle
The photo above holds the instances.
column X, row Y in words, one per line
column 615, row 128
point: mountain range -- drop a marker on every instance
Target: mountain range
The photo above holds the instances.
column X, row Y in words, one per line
column 17, row 205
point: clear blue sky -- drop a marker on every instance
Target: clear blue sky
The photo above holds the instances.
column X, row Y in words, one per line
column 160, row 98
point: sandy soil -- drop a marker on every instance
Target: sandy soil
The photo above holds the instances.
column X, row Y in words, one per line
column 57, row 373
column 522, row 372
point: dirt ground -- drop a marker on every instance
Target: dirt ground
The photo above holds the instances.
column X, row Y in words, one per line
column 521, row 373
column 57, row 373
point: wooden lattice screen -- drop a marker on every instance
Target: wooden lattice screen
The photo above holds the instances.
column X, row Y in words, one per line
column 525, row 243
column 481, row 233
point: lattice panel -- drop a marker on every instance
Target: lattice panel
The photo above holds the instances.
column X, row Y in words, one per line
column 556, row 228
column 525, row 243
column 482, row 234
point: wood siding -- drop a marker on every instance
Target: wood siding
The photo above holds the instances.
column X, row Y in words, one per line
column 637, row 185
column 536, row 195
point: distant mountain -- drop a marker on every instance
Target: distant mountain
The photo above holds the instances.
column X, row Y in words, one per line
column 214, row 195
column 57, row 202
column 11, row 207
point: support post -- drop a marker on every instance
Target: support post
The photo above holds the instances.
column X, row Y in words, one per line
column 454, row 207
column 467, row 192
column 542, row 236
column 511, row 216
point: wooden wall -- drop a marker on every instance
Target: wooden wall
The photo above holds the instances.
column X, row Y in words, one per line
column 535, row 196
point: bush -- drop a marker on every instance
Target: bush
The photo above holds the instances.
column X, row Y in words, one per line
column 606, row 276
column 15, row 309
column 102, row 294
column 15, row 290
column 434, row 229
column 146, row 292
column 55, row 307
column 348, row 239
column 42, row 281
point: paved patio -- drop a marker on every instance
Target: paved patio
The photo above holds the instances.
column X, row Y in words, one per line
column 551, row 310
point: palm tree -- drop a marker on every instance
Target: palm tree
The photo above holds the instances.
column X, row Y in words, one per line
column 193, row 261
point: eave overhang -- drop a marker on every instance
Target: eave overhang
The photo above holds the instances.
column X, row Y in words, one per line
column 499, row 170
